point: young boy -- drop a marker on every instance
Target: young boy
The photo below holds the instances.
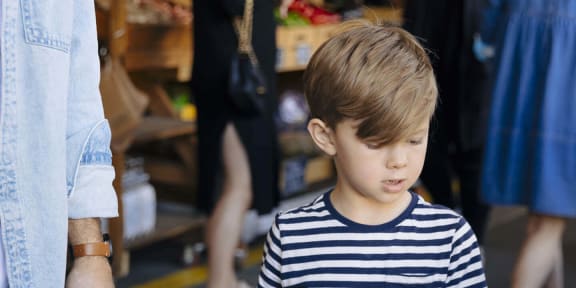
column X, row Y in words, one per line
column 371, row 92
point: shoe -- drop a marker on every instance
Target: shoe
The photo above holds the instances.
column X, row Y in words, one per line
column 243, row 284
column 249, row 230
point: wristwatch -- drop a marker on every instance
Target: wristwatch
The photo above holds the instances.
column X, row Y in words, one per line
column 103, row 248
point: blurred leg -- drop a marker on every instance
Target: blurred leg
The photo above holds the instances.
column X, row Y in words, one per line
column 225, row 224
column 540, row 254
column 556, row 278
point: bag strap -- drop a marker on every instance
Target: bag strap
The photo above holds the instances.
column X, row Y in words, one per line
column 243, row 28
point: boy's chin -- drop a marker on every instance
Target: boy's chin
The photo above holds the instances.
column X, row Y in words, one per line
column 386, row 198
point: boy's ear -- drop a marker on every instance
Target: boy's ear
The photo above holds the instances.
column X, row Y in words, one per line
column 322, row 136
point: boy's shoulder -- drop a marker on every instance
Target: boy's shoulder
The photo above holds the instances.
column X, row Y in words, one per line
column 435, row 208
column 426, row 209
column 316, row 207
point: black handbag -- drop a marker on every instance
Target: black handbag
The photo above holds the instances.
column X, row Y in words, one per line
column 247, row 86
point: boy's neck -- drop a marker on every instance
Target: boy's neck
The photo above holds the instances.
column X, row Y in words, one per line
column 366, row 211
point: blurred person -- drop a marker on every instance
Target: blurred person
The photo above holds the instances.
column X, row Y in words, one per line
column 446, row 29
column 238, row 156
column 530, row 155
column 55, row 173
column 371, row 92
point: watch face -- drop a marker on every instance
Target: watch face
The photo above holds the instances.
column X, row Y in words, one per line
column 106, row 239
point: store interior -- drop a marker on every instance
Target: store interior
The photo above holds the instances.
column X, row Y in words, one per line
column 147, row 52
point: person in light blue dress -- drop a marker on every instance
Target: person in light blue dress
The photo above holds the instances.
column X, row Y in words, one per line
column 530, row 156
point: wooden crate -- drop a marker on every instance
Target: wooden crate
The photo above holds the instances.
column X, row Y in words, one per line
column 323, row 33
column 160, row 47
column 294, row 47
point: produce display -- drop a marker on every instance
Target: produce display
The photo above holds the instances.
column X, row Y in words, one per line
column 302, row 13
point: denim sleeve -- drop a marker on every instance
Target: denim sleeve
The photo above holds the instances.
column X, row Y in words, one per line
column 89, row 170
column 91, row 193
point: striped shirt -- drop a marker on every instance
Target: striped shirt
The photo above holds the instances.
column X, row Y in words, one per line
column 426, row 246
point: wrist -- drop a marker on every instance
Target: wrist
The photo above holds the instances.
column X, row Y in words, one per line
column 101, row 248
column 92, row 259
column 93, row 263
column 85, row 230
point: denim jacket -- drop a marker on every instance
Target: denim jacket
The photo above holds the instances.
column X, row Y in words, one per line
column 55, row 160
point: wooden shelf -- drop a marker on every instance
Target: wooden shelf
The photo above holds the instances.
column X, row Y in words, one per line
column 297, row 143
column 147, row 49
column 291, row 69
column 157, row 47
column 170, row 172
column 167, row 226
column 155, row 128
column 384, row 13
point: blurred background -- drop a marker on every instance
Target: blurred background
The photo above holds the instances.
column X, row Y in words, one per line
column 147, row 53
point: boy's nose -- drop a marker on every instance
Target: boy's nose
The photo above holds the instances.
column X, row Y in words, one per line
column 395, row 164
column 396, row 160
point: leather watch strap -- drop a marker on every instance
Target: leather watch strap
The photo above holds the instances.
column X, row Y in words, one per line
column 92, row 249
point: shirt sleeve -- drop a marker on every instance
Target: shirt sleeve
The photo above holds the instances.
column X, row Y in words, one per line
column 92, row 194
column 271, row 270
column 465, row 269
column 89, row 171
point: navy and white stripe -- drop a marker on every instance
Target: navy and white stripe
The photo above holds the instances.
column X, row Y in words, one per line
column 315, row 246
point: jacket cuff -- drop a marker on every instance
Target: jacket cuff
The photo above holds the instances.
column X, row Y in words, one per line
column 93, row 195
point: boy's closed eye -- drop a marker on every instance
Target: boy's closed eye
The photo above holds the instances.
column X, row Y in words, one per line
column 418, row 137
column 416, row 141
column 375, row 145
column 372, row 145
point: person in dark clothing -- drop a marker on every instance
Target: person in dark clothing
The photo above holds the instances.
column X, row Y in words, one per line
column 237, row 155
column 446, row 28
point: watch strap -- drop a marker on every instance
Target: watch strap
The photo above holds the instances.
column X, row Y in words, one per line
column 92, row 249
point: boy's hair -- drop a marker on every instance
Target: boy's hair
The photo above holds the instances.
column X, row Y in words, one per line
column 379, row 75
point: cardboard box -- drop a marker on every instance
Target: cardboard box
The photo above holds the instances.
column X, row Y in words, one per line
column 294, row 47
column 322, row 33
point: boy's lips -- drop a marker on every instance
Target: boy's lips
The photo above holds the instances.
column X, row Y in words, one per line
column 394, row 185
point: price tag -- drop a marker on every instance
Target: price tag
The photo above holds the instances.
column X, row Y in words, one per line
column 280, row 57
column 303, row 53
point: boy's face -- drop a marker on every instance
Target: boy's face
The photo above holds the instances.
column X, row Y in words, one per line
column 377, row 173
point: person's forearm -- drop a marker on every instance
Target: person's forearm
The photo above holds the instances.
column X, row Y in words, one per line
column 90, row 271
column 85, row 230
